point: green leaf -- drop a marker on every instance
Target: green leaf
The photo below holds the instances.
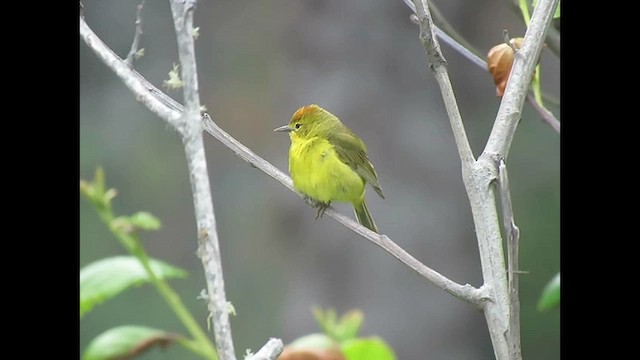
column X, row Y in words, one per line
column 326, row 319
column 231, row 309
column 126, row 342
column 345, row 328
column 106, row 278
column 96, row 190
column 139, row 54
column 145, row 221
column 174, row 81
column 550, row 295
column 349, row 325
column 98, row 180
column 372, row 348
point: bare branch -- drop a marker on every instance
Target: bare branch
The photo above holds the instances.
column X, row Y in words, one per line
column 269, row 351
column 477, row 180
column 513, row 242
column 133, row 53
column 143, row 89
column 208, row 244
column 515, row 93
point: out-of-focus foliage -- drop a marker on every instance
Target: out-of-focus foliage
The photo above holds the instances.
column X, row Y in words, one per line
column 106, row 278
column 339, row 340
column 126, row 342
column 550, row 297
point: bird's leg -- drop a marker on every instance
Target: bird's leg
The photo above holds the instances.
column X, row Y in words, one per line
column 309, row 200
column 321, row 208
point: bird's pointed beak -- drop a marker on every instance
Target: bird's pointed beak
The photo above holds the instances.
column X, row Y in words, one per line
column 284, row 128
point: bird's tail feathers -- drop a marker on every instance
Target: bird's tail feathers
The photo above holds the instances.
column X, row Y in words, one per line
column 364, row 216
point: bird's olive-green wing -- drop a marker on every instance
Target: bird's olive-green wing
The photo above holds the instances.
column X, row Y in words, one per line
column 352, row 151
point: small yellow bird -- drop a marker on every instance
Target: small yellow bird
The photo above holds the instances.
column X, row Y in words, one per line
column 328, row 162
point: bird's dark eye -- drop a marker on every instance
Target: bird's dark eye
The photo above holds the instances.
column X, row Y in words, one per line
column 298, row 126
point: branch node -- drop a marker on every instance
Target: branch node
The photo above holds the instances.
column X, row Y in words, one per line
column 486, row 169
column 484, row 295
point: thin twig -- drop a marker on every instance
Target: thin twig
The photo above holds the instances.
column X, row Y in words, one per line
column 131, row 57
column 269, row 351
column 470, row 53
column 513, row 242
column 545, row 114
column 150, row 95
column 208, row 244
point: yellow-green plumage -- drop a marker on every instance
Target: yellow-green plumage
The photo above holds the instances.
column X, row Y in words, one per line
column 328, row 162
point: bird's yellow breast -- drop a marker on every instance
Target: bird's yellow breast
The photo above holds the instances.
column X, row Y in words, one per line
column 318, row 173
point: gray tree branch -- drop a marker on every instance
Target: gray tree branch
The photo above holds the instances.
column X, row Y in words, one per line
column 478, row 176
column 208, row 244
column 476, row 182
column 497, row 149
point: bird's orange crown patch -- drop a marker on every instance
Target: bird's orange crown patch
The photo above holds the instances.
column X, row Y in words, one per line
column 303, row 111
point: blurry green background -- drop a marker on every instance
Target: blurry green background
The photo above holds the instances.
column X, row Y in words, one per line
column 258, row 62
